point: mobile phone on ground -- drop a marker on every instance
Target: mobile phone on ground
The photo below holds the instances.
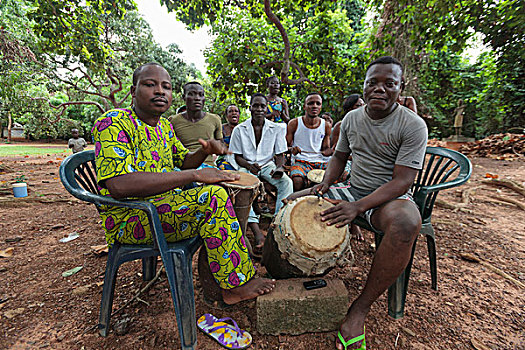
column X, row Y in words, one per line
column 314, row 284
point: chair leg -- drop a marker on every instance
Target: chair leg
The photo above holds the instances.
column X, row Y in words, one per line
column 149, row 268
column 108, row 291
column 431, row 246
column 397, row 292
column 181, row 285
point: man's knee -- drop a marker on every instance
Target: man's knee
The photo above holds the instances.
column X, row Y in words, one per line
column 298, row 182
column 401, row 222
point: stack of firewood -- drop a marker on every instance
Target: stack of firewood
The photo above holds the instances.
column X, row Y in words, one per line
column 436, row 143
column 499, row 146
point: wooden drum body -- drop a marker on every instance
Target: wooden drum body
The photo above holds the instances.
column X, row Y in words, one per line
column 242, row 193
column 299, row 244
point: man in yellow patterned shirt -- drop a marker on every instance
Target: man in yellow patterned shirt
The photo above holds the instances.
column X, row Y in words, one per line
column 139, row 156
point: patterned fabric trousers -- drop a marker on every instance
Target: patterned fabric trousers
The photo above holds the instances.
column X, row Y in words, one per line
column 206, row 211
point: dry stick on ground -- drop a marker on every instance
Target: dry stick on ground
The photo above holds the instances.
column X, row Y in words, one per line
column 510, row 200
column 465, row 194
column 506, row 183
column 136, row 296
column 472, row 258
column 490, row 200
column 477, row 345
column 447, row 205
column 445, row 222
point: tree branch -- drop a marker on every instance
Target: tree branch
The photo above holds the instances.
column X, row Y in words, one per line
column 64, row 105
column 285, row 70
column 294, row 65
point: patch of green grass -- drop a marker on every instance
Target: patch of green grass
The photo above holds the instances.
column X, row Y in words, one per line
column 22, row 150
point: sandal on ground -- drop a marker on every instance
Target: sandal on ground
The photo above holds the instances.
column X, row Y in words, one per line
column 352, row 341
column 228, row 335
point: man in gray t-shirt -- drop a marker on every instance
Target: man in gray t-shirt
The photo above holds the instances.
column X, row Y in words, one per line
column 387, row 142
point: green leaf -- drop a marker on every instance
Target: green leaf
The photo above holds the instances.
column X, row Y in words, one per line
column 72, row 271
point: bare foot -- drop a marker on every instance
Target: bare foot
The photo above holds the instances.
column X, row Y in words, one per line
column 250, row 290
column 352, row 326
column 356, row 232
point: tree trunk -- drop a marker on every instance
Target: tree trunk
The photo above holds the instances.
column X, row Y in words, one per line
column 9, row 125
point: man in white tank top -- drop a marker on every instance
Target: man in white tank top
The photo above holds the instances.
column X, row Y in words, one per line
column 309, row 139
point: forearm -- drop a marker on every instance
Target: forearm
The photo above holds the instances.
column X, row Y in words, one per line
column 279, row 160
column 143, row 184
column 194, row 159
column 335, row 167
column 242, row 162
column 387, row 192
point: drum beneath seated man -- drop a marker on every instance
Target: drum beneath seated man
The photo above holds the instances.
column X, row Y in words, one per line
column 298, row 244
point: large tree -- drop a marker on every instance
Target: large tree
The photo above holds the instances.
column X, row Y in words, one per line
column 87, row 53
column 419, row 31
column 308, row 44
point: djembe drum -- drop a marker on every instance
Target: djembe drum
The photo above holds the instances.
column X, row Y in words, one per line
column 299, row 244
column 242, row 193
column 316, row 175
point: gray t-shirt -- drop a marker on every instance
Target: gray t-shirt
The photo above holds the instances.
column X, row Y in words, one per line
column 377, row 145
column 78, row 144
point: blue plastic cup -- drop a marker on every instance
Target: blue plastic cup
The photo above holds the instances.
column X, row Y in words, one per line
column 20, row 189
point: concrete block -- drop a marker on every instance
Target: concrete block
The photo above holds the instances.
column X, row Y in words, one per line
column 291, row 309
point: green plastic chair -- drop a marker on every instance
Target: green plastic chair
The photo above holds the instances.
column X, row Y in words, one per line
column 443, row 168
column 77, row 173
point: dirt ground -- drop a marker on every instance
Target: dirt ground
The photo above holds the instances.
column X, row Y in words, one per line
column 474, row 308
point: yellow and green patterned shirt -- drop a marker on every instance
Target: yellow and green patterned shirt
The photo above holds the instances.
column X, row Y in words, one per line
column 124, row 144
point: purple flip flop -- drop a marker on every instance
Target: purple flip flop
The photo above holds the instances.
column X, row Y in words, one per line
column 228, row 335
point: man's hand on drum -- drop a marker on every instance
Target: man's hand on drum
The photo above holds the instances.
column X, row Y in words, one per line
column 295, row 150
column 254, row 168
column 213, row 147
column 213, row 175
column 319, row 189
column 341, row 214
column 307, row 191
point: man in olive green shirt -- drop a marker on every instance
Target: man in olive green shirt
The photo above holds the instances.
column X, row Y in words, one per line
column 194, row 124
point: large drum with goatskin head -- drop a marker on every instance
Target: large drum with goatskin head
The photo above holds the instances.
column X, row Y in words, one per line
column 299, row 244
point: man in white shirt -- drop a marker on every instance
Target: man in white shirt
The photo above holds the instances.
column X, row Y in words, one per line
column 255, row 143
column 309, row 139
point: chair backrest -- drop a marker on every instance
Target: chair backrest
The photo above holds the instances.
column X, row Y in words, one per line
column 78, row 175
column 444, row 168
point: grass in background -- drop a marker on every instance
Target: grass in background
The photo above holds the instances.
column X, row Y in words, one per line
column 22, row 150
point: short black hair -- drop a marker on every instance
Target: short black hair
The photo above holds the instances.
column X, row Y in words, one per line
column 190, row 83
column 228, row 107
column 312, row 94
column 137, row 71
column 270, row 78
column 349, row 102
column 258, row 94
column 387, row 60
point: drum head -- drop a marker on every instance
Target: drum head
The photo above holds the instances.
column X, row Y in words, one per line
column 246, row 180
column 316, row 175
column 305, row 221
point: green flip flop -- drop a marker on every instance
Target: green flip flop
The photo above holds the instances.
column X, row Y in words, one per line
column 353, row 341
